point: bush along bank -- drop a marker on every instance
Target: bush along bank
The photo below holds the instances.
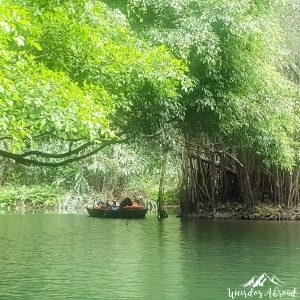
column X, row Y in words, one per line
column 43, row 198
column 263, row 211
column 15, row 198
column 30, row 197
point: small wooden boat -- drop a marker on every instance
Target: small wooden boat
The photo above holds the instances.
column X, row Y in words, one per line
column 126, row 210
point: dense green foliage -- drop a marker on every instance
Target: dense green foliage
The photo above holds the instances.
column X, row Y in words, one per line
column 234, row 52
column 73, row 75
column 114, row 173
column 210, row 81
column 291, row 23
column 40, row 196
column 240, row 128
column 82, row 75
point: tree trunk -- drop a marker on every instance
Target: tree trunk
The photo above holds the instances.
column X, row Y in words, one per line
column 161, row 213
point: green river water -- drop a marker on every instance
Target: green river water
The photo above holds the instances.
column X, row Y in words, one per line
column 56, row 256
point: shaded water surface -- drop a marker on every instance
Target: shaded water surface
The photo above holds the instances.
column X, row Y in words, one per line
column 77, row 257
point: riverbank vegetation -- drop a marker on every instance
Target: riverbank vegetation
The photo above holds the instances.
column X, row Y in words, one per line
column 115, row 173
column 209, row 88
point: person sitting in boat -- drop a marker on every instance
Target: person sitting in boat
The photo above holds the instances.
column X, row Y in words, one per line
column 100, row 203
column 126, row 202
column 114, row 206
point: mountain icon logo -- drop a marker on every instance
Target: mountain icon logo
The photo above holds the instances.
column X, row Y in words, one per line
column 261, row 280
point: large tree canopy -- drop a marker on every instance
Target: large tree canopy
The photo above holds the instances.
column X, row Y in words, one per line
column 73, row 78
column 235, row 53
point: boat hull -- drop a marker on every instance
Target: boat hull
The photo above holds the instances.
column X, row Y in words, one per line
column 123, row 213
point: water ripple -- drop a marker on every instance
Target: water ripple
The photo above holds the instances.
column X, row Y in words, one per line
column 77, row 257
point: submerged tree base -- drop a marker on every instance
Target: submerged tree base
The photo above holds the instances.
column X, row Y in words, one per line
column 238, row 211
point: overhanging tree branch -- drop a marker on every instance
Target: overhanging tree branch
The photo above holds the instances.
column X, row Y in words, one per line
column 52, row 155
column 5, row 138
column 20, row 158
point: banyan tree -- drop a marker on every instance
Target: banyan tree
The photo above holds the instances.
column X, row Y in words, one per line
column 239, row 124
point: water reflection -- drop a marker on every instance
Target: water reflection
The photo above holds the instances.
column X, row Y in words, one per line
column 77, row 257
column 228, row 253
